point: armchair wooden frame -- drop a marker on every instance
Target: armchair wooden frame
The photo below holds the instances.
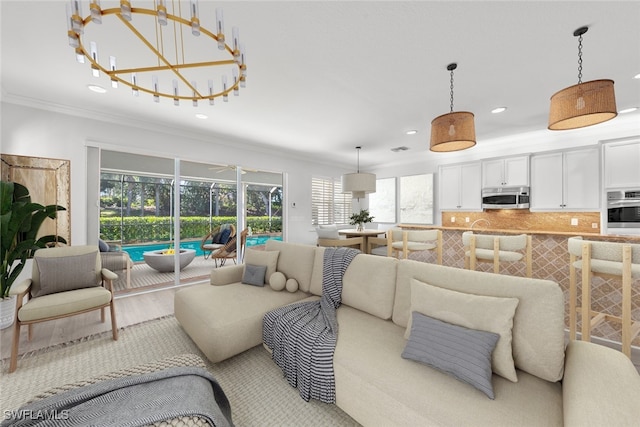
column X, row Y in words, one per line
column 582, row 257
column 23, row 290
column 357, row 242
column 414, row 241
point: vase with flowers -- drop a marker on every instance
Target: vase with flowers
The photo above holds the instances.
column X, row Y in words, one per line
column 360, row 219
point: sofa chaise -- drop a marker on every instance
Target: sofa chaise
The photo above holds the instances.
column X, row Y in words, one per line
column 538, row 380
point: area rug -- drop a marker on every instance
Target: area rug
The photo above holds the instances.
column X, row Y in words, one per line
column 258, row 393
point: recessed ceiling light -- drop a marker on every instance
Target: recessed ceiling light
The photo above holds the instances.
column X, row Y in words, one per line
column 202, row 116
column 96, row 89
column 499, row 110
column 401, row 148
column 637, row 76
column 628, row 110
column 411, row 132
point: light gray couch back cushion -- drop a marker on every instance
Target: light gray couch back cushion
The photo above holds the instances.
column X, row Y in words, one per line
column 369, row 284
column 295, row 261
column 538, row 325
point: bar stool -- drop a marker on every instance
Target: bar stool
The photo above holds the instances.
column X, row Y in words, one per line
column 418, row 241
column 609, row 260
column 496, row 249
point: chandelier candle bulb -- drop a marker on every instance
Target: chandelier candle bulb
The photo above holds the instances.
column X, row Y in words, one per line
column 176, row 100
column 162, row 12
column 236, row 90
column 225, row 96
column 195, row 94
column 220, row 28
column 79, row 56
column 112, row 66
column 195, row 21
column 154, row 82
column 76, row 16
column 134, row 82
column 236, row 44
column 125, row 10
column 71, row 34
column 211, row 100
column 94, row 55
column 96, row 11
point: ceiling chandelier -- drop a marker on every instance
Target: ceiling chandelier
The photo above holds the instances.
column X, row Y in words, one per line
column 584, row 104
column 180, row 62
column 453, row 131
column 360, row 183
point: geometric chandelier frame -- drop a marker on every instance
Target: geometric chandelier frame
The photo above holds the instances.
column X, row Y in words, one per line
column 167, row 42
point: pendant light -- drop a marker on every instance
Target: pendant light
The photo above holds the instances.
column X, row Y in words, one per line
column 584, row 104
column 453, row 131
column 359, row 183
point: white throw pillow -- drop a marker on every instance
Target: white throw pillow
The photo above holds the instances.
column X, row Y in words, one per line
column 328, row 232
column 277, row 281
column 471, row 311
column 267, row 258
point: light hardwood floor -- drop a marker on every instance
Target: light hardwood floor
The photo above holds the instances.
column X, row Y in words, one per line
column 130, row 309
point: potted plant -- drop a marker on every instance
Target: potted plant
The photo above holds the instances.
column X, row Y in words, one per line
column 360, row 218
column 20, row 221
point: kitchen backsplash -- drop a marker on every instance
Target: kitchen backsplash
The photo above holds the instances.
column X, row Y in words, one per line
column 522, row 219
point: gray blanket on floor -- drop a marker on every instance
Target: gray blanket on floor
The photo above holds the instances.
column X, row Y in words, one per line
column 302, row 336
column 132, row 401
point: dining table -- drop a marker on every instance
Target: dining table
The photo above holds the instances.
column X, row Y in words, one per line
column 365, row 234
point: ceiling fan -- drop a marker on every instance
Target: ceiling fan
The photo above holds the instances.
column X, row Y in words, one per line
column 223, row 168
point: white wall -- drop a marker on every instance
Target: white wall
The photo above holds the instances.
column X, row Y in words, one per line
column 621, row 127
column 33, row 132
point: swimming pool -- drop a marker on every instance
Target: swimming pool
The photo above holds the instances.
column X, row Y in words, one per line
column 136, row 252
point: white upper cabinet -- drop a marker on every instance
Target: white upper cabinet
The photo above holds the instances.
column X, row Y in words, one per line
column 568, row 180
column 507, row 172
column 460, row 188
column 622, row 164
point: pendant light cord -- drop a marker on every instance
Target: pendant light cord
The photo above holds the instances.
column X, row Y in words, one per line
column 451, row 99
column 580, row 59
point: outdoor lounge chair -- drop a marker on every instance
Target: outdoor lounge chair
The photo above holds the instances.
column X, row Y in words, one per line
column 230, row 250
column 217, row 239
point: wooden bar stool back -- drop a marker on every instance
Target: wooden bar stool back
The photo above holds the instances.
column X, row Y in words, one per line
column 608, row 260
column 497, row 249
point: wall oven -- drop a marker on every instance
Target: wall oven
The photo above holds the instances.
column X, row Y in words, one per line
column 623, row 211
column 505, row 198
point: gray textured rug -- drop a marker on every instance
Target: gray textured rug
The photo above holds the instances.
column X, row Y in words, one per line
column 258, row 393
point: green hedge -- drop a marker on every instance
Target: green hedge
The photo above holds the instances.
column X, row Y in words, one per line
column 149, row 229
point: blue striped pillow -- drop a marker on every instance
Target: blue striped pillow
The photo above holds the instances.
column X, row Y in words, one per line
column 460, row 352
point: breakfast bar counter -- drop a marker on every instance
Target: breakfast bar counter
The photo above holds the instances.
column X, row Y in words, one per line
column 550, row 261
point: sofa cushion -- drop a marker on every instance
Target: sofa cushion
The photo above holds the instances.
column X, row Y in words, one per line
column 65, row 273
column 295, row 261
column 328, row 232
column 254, row 274
column 538, row 325
column 277, row 281
column 226, row 320
column 269, row 259
column 292, row 285
column 470, row 311
column 458, row 351
column 376, row 386
column 369, row 284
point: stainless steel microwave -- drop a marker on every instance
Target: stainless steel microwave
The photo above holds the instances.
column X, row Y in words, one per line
column 623, row 210
column 505, row 198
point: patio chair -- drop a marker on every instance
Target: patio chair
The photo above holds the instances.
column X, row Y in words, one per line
column 65, row 281
column 230, row 250
column 217, row 239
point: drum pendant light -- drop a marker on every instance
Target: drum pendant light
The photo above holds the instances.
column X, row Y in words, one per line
column 453, row 131
column 584, row 104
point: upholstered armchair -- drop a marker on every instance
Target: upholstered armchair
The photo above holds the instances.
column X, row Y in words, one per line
column 65, row 281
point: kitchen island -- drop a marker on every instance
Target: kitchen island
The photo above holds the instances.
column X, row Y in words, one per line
column 550, row 261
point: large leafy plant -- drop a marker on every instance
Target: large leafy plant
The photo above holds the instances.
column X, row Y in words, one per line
column 20, row 221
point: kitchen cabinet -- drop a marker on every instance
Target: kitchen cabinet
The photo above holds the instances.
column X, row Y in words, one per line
column 622, row 164
column 568, row 180
column 506, row 172
column 460, row 188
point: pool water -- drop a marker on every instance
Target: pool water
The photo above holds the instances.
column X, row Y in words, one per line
column 136, row 252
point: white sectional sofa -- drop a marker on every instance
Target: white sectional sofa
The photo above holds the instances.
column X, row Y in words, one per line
column 582, row 384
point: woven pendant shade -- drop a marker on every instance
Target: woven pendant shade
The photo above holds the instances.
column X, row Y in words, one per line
column 582, row 105
column 453, row 132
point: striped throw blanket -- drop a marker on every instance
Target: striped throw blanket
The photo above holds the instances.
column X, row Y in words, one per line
column 302, row 336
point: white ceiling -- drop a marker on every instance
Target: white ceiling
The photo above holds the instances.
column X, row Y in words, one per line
column 326, row 76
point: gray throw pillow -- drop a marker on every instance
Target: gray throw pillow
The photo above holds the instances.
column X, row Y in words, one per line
column 59, row 274
column 460, row 352
column 254, row 274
